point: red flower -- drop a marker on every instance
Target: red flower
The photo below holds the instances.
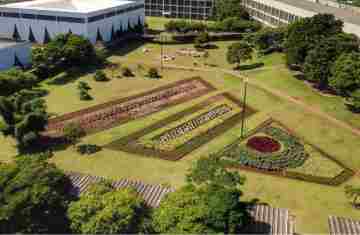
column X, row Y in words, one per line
column 263, row 144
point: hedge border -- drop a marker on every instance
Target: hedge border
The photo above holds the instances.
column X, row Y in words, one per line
column 337, row 180
column 125, row 143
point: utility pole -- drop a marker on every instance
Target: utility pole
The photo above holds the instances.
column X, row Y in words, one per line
column 244, row 107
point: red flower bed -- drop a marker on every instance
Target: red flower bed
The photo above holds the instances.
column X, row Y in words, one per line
column 263, row 144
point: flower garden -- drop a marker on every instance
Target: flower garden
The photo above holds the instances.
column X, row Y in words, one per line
column 110, row 114
column 274, row 149
column 174, row 137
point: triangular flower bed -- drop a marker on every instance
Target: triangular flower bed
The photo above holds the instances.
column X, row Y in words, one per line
column 272, row 148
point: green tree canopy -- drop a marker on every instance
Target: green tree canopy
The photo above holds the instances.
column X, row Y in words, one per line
column 229, row 8
column 239, row 52
column 73, row 132
column 33, row 197
column 209, row 203
column 346, row 73
column 210, row 170
column 104, row 210
column 304, row 34
column 319, row 60
column 207, row 209
column 269, row 38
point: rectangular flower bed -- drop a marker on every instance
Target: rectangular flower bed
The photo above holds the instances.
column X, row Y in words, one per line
column 174, row 137
column 272, row 148
column 110, row 114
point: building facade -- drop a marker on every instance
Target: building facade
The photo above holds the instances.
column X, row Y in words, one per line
column 282, row 12
column 189, row 9
column 41, row 20
column 14, row 53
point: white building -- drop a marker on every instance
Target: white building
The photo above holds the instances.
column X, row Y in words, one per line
column 280, row 12
column 14, row 53
column 41, row 20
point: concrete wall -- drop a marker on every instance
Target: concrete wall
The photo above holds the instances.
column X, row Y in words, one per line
column 22, row 52
column 57, row 26
column 287, row 15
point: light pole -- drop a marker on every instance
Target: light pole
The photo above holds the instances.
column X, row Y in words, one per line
column 244, row 106
column 162, row 52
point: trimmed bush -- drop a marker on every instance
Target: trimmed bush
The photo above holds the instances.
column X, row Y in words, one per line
column 87, row 149
column 153, row 73
column 100, row 76
column 126, row 72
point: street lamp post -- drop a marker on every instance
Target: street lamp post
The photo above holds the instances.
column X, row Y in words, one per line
column 244, row 107
column 162, row 52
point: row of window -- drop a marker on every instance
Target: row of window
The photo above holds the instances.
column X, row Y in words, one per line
column 70, row 19
column 178, row 9
column 179, row 15
column 266, row 18
column 207, row 3
column 289, row 17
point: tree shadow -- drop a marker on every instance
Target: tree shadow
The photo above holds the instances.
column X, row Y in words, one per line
column 249, row 66
column 126, row 47
column 72, row 75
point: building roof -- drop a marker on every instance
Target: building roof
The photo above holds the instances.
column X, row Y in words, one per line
column 341, row 13
column 340, row 225
column 265, row 219
column 270, row 220
column 79, row 6
column 152, row 194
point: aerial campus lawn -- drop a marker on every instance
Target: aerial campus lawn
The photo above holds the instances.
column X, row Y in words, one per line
column 311, row 203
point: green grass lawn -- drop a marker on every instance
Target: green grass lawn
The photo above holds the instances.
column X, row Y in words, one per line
column 310, row 203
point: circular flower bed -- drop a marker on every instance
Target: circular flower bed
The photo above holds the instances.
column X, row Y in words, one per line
column 263, row 144
column 291, row 154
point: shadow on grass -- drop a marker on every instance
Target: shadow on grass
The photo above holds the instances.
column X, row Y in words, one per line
column 126, row 47
column 249, row 66
column 72, row 75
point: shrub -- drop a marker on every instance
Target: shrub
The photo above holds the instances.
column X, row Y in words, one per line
column 73, row 132
column 201, row 40
column 153, row 73
column 126, row 72
column 84, row 95
column 100, row 76
column 88, row 149
column 83, row 86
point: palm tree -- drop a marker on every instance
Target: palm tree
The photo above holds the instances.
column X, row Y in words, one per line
column 353, row 193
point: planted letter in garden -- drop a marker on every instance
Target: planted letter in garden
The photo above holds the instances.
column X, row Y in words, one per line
column 174, row 137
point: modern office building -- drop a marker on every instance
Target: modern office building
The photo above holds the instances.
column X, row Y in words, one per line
column 14, row 53
column 282, row 12
column 189, row 9
column 41, row 20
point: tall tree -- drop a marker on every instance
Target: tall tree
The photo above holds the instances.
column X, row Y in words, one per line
column 346, row 73
column 33, row 197
column 239, row 52
column 318, row 62
column 304, row 34
column 229, row 8
column 210, row 203
column 104, row 210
